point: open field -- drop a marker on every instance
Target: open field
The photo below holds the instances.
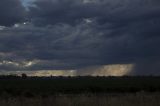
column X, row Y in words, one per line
column 73, row 85
column 79, row 91
column 125, row 99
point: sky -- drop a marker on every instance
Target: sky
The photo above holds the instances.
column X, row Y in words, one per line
column 80, row 37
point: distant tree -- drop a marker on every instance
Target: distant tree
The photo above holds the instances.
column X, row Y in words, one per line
column 24, row 75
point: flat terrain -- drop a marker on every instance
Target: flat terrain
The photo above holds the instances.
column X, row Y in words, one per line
column 125, row 99
column 79, row 91
column 73, row 85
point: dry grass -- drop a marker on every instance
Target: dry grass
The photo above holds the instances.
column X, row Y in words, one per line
column 127, row 99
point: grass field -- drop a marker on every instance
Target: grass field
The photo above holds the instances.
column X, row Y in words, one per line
column 123, row 99
column 79, row 91
column 36, row 85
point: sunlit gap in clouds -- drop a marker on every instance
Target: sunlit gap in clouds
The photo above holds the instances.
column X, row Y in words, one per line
column 105, row 70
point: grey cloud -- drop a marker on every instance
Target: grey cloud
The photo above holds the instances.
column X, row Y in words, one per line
column 125, row 32
column 11, row 12
column 72, row 12
column 62, row 43
column 147, row 67
column 67, row 47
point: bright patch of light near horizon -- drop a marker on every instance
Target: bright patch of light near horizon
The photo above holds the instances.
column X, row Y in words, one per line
column 114, row 70
column 41, row 73
column 55, row 73
column 107, row 70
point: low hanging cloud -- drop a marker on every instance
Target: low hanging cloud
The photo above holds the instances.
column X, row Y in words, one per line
column 75, row 34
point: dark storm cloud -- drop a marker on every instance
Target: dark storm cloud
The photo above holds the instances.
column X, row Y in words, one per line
column 58, row 46
column 148, row 66
column 73, row 34
column 11, row 12
column 62, row 11
column 73, row 11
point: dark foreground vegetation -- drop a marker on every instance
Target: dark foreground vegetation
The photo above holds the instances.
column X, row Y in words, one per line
column 79, row 91
column 31, row 86
column 125, row 99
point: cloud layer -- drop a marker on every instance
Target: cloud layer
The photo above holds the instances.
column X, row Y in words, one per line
column 11, row 12
column 74, row 34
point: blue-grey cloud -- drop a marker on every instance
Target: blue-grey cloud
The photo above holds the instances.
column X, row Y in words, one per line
column 11, row 12
column 74, row 34
column 104, row 11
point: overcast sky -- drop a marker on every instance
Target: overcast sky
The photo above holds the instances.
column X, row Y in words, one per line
column 77, row 34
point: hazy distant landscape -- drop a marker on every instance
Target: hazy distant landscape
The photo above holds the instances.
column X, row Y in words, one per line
column 79, row 91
